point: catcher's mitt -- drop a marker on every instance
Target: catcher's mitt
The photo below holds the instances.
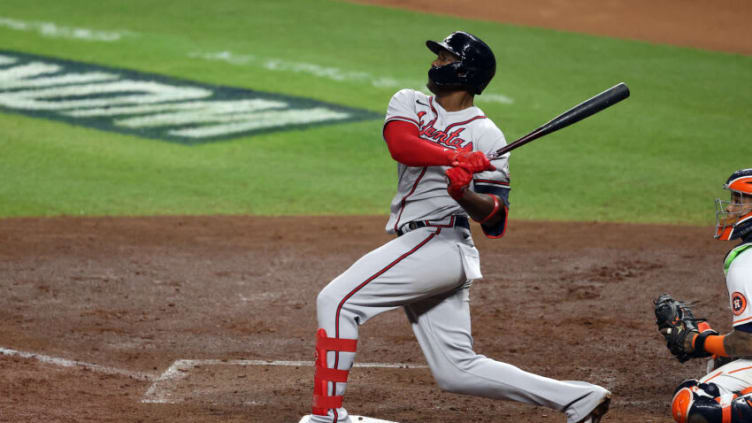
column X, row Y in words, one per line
column 678, row 326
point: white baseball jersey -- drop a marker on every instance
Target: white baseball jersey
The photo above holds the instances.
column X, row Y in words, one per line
column 737, row 375
column 422, row 191
column 738, row 268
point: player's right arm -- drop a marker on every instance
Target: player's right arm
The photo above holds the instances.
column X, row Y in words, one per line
column 408, row 148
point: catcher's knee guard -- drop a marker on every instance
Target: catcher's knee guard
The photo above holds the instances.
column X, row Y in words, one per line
column 322, row 401
column 702, row 402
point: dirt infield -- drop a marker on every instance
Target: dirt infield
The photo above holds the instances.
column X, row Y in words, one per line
column 126, row 298
column 722, row 26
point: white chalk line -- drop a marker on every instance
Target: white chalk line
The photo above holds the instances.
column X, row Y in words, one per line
column 156, row 393
column 53, row 30
column 57, row 361
column 356, row 419
column 216, row 362
column 328, row 72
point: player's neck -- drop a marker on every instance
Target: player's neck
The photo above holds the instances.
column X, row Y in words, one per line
column 453, row 101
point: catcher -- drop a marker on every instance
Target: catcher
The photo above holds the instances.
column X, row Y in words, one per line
column 724, row 395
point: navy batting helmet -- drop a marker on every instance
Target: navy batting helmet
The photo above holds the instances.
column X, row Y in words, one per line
column 734, row 219
column 474, row 69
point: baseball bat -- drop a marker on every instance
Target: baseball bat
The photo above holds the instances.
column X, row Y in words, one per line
column 589, row 107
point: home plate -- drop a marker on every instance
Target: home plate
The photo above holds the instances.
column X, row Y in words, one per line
column 355, row 419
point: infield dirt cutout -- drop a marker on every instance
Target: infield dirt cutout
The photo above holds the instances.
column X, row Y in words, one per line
column 97, row 311
column 137, row 295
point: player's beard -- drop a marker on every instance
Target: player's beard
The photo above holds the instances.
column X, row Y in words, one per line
column 439, row 91
column 433, row 87
column 450, row 81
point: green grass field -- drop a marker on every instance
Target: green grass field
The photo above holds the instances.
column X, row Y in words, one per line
column 660, row 156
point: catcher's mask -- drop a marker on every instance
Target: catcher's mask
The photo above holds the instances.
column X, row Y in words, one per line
column 733, row 219
column 474, row 69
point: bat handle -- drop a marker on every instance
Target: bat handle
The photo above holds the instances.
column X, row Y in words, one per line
column 498, row 153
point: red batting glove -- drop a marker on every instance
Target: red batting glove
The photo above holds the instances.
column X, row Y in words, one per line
column 459, row 179
column 472, row 161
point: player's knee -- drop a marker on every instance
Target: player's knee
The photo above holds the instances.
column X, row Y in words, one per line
column 690, row 407
column 455, row 378
column 684, row 397
column 326, row 299
column 696, row 402
column 449, row 384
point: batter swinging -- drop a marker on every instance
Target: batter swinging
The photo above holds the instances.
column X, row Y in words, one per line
column 440, row 143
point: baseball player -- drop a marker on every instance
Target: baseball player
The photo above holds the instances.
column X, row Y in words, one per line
column 445, row 179
column 724, row 395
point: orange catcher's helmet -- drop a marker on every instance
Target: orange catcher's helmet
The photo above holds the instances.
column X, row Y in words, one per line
column 733, row 219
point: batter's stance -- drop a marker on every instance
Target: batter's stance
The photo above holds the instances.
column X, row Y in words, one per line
column 725, row 394
column 440, row 143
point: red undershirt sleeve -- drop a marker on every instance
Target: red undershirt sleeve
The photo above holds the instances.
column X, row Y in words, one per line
column 409, row 149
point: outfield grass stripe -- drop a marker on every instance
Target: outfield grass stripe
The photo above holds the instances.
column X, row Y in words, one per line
column 51, row 29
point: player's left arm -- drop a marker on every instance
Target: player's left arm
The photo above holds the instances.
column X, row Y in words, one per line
column 492, row 183
column 735, row 344
column 488, row 203
column 687, row 342
column 483, row 208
